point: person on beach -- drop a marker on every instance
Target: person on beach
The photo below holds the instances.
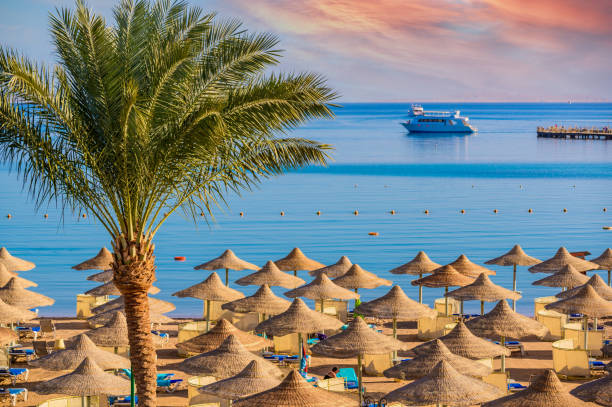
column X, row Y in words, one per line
column 331, row 374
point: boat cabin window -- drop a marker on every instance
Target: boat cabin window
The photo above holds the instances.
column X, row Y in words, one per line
column 431, row 120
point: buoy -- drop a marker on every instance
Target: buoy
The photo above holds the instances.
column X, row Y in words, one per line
column 494, row 210
column 9, row 216
column 426, row 212
column 564, row 209
column 605, row 209
column 84, row 216
column 462, row 210
column 530, row 210
column 373, row 233
column 318, row 213
column 180, row 258
column 46, row 215
column 356, row 213
column 392, row 212
column 607, row 227
column 201, row 213
column 282, row 213
column 241, row 213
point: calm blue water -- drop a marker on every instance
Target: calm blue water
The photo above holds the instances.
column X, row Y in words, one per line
column 377, row 167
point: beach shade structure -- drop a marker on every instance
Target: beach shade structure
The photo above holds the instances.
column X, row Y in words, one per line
column 587, row 302
column 467, row 267
column 112, row 334
column 296, row 260
column 337, row 269
column 227, row 360
column 214, row 338
column 321, row 289
column 101, row 261
column 421, row 264
column 545, row 390
column 13, row 263
column 597, row 391
column 356, row 277
column 251, row 380
column 14, row 293
column 444, row 386
column 110, row 288
column 357, row 340
column 515, row 257
column 102, row 277
column 502, row 322
column 156, row 306
column 567, row 277
column 601, row 288
column 271, row 275
column 211, row 289
column 424, row 363
column 295, row 391
column 71, row 357
column 5, row 277
column 264, row 302
column 8, row 336
column 228, row 260
column 605, row 263
column 104, row 318
column 10, row 314
column 462, row 342
column 445, row 276
column 560, row 259
column 88, row 379
column 483, row 289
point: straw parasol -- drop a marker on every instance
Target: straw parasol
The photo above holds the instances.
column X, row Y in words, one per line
column 515, row 257
column 110, row 288
column 462, row 342
column 5, row 277
column 101, row 261
column 296, row 260
column 251, row 380
column 445, row 276
column 102, row 277
column 424, row 363
column 444, row 385
column 596, row 282
column 7, row 336
column 567, row 277
column 271, row 275
column 357, row 340
column 264, row 301
column 14, row 293
column 214, row 338
column 10, row 314
column 356, row 278
column 113, row 334
column 321, row 289
column 88, row 379
column 13, row 263
column 295, row 391
column 483, row 289
column 560, row 259
column 605, row 263
column 544, row 391
column 467, row 267
column 227, row 360
column 421, row 264
column 503, row 322
column 228, row 260
column 211, row 289
column 156, row 306
column 334, row 270
column 78, row 350
column 104, row 317
column 597, row 391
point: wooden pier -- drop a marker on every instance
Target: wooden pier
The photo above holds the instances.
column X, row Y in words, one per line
column 575, row 133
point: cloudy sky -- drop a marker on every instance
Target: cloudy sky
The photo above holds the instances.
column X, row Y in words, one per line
column 407, row 50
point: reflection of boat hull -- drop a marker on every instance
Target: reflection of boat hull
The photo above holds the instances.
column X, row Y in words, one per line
column 437, row 128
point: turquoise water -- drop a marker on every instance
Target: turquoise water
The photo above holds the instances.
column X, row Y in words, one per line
column 377, row 168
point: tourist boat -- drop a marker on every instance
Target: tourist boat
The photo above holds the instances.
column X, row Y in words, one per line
column 420, row 121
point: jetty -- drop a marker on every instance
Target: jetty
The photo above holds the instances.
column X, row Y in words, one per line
column 581, row 133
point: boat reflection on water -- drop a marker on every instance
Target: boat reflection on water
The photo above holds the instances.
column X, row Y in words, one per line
column 437, row 146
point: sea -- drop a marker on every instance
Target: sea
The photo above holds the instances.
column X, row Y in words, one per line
column 376, row 168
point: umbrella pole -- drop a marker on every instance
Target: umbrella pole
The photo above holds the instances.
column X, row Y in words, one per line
column 207, row 315
column 356, row 289
column 514, row 287
column 503, row 356
column 295, row 273
column 301, row 347
column 609, row 282
column 481, row 308
column 421, row 289
column 586, row 333
column 132, row 389
column 461, row 310
column 446, row 301
column 394, row 335
column 360, row 379
column 227, row 277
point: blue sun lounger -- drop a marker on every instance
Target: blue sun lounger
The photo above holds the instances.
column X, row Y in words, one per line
column 350, row 378
column 164, row 380
column 13, row 394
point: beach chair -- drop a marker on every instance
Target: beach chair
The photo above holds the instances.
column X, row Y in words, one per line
column 47, row 326
column 15, row 374
column 13, row 395
column 164, row 380
column 596, row 365
column 514, row 386
column 514, row 346
column 333, row 384
column 40, row 348
column 21, row 355
column 351, row 382
column 164, row 336
column 114, row 401
column 27, row 332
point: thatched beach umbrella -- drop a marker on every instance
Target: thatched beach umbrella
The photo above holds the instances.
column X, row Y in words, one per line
column 104, row 318
column 605, row 262
column 560, row 259
column 567, row 277
column 264, row 301
column 357, row 340
column 597, row 391
column 211, row 289
column 227, row 360
column 604, row 291
column 5, row 277
column 334, row 270
column 295, row 391
column 251, row 380
column 88, row 379
column 102, row 277
column 515, row 257
column 71, row 357
column 10, row 314
column 444, row 385
column 296, row 260
column 421, row 264
column 483, row 289
column 503, row 322
column 101, row 261
column 13, row 263
column 8, row 336
column 113, row 334
column 356, row 277
column 14, row 293
column 468, row 268
column 544, row 391
column 214, row 338
column 156, row 306
column 445, row 276
column 228, row 260
column 110, row 288
column 321, row 289
column 271, row 275
column 424, row 363
column 461, row 341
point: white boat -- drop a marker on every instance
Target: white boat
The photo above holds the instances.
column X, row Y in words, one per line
column 420, row 121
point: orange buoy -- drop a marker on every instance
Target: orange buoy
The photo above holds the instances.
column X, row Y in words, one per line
column 426, row 212
column 564, row 209
column 373, row 233
column 356, row 213
column 392, row 212
column 9, row 216
column 494, row 210
column 318, row 213
column 180, row 258
column 241, row 213
column 530, row 210
column 462, row 210
column 46, row 215
column 84, row 216
column 282, row 213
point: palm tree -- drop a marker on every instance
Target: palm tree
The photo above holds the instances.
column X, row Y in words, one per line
column 168, row 108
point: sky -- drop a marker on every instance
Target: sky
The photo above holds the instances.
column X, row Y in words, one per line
column 407, row 50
